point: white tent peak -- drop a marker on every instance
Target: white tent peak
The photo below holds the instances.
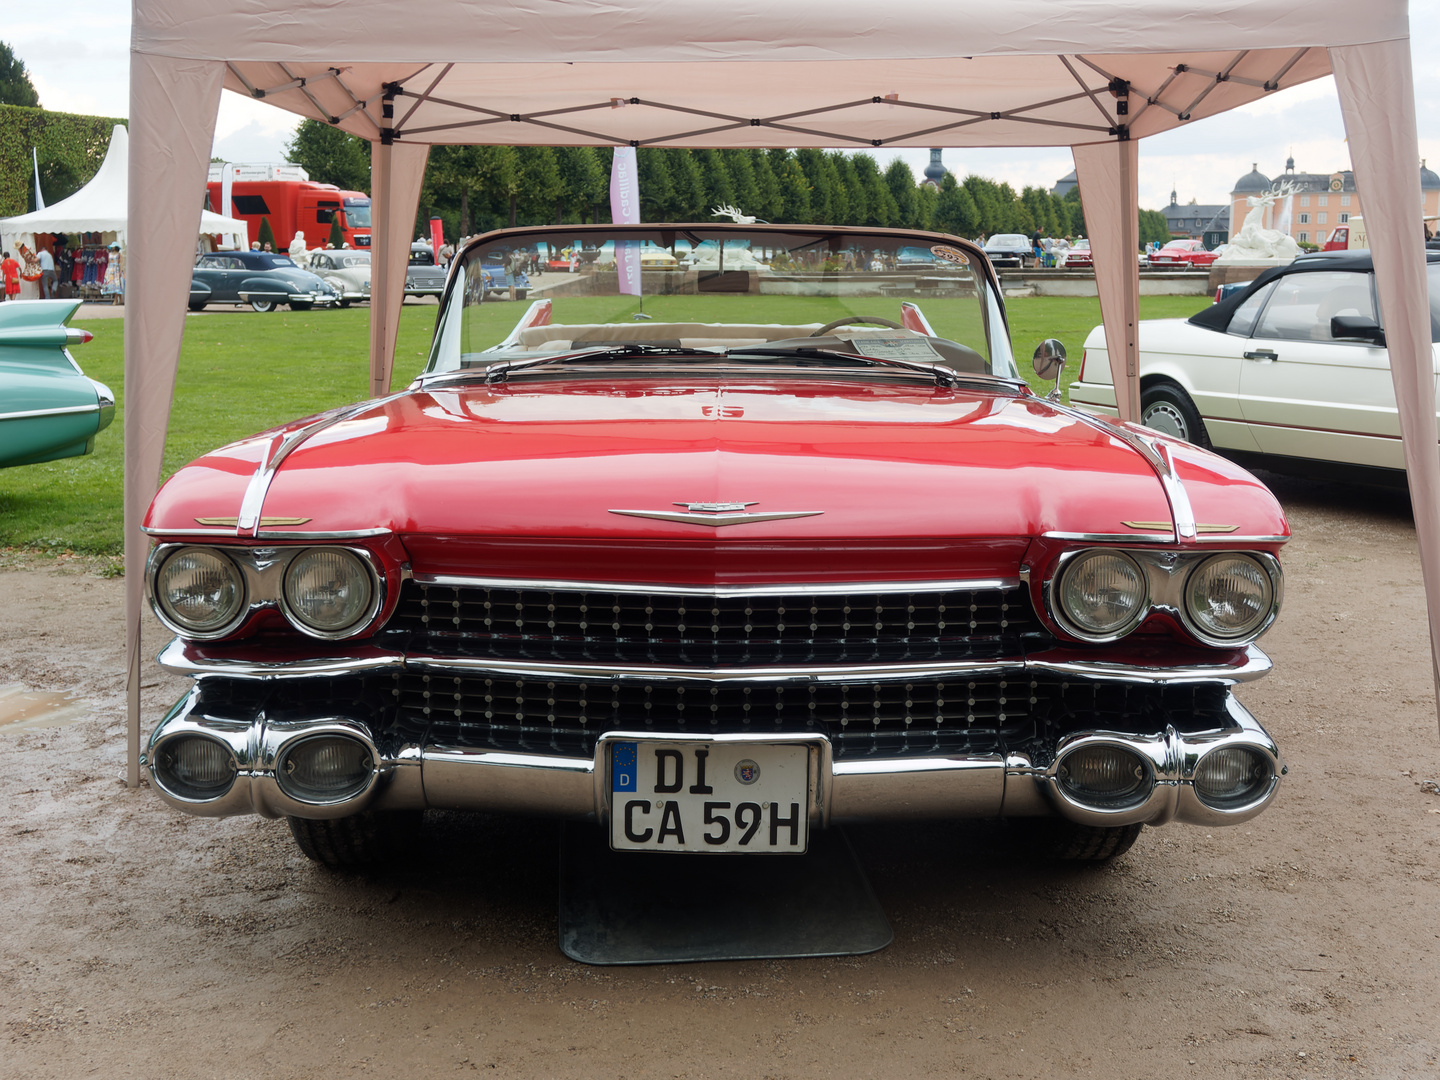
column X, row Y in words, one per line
column 102, row 204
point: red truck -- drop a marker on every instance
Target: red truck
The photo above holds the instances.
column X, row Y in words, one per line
column 291, row 205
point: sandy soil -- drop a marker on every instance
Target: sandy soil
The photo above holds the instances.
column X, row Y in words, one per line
column 136, row 940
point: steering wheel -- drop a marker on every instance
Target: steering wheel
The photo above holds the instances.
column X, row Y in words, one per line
column 856, row 319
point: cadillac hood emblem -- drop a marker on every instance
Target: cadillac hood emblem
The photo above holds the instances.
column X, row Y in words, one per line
column 716, row 514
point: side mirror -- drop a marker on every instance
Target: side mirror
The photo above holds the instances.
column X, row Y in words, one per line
column 1049, row 362
column 1356, row 326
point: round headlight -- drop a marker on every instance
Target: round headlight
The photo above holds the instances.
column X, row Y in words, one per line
column 328, row 589
column 1102, row 593
column 1228, row 596
column 199, row 590
column 1104, row 776
column 1231, row 776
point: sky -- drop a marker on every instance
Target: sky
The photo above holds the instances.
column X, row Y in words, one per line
column 81, row 64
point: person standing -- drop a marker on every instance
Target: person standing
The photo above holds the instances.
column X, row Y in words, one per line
column 47, row 273
column 10, row 275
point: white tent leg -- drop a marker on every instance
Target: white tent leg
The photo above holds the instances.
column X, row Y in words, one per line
column 173, row 104
column 1377, row 99
column 1108, row 175
column 396, row 173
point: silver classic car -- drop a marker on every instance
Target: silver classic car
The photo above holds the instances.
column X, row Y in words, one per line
column 347, row 271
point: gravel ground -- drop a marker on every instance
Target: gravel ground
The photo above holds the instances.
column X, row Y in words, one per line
column 136, row 940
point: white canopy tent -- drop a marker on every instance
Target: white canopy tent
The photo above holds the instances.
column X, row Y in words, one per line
column 102, row 206
column 1095, row 75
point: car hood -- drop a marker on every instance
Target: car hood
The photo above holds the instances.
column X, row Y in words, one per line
column 852, row 461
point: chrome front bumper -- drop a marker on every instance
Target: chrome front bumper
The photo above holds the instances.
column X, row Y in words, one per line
column 420, row 776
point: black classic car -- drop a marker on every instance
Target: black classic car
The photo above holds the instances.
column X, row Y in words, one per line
column 258, row 278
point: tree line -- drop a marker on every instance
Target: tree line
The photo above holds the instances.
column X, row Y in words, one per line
column 474, row 189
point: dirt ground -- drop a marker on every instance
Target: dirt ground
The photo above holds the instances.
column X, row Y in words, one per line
column 138, row 941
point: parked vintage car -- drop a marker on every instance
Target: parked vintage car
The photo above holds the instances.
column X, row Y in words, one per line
column 258, row 278
column 1289, row 371
column 717, row 567
column 1182, row 255
column 48, row 408
column 346, row 271
column 1079, row 257
column 1009, row 249
column 424, row 278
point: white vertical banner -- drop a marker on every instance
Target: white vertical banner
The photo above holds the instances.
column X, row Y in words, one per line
column 39, row 199
column 227, row 179
column 625, row 210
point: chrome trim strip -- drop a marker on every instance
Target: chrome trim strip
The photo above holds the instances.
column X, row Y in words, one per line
column 68, row 410
column 177, row 656
column 198, row 530
column 1233, row 540
column 340, row 534
column 1112, row 538
column 715, row 521
column 815, row 589
column 259, row 486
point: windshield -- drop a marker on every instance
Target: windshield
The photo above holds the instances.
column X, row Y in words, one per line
column 356, row 258
column 1007, row 240
column 910, row 297
column 357, row 213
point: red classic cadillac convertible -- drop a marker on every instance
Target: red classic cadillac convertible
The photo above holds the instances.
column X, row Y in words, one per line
column 717, row 556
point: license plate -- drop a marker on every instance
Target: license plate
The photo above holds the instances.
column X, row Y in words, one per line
column 709, row 797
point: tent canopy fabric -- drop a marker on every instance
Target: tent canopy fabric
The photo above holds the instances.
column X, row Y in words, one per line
column 1095, row 75
column 102, row 205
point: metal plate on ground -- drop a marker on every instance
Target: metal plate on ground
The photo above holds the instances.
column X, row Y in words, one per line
column 647, row 908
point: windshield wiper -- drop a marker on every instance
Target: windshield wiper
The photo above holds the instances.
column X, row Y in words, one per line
column 501, row 371
column 943, row 376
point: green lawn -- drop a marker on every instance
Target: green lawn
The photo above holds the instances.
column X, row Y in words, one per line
column 244, row 373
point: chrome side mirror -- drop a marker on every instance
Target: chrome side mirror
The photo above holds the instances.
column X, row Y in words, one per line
column 1049, row 362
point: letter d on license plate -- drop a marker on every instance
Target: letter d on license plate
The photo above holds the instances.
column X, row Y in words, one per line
column 709, row 797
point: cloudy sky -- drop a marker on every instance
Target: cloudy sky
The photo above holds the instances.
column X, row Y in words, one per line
column 81, row 64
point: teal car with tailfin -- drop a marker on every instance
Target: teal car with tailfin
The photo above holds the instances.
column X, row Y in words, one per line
column 49, row 408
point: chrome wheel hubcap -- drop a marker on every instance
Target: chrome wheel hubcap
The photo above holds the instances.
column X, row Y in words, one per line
column 1165, row 418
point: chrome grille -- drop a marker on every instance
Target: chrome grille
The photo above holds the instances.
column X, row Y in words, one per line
column 597, row 626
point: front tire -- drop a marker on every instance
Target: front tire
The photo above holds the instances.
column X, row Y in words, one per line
column 1068, row 841
column 197, row 305
column 301, row 305
column 365, row 839
column 344, row 302
column 262, row 306
column 1169, row 410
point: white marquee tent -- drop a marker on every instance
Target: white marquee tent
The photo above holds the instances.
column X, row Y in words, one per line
column 102, row 206
column 1096, row 75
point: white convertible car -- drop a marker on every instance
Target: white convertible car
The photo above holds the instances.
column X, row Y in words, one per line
column 1288, row 372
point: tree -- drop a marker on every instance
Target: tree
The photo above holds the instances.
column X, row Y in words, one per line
column 1154, row 227
column 715, row 175
column 955, row 210
column 583, row 179
column 742, row 176
column 267, row 235
column 657, row 193
column 689, row 187
column 540, row 188
column 330, row 156
column 901, row 182
column 1077, row 211
column 336, row 238
column 769, row 204
column 15, row 85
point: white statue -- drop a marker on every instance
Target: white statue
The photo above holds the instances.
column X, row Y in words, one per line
column 734, row 214
column 1255, row 243
column 299, row 253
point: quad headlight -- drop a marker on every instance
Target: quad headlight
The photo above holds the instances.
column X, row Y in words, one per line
column 1229, row 596
column 1102, row 593
column 328, row 591
column 200, row 591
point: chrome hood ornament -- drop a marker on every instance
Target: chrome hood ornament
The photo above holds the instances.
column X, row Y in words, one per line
column 716, row 514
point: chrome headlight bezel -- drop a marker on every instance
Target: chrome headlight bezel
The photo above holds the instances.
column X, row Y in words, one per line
column 172, row 621
column 1068, row 564
column 1269, row 606
column 374, row 579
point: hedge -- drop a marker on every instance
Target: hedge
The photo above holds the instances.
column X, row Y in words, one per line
column 71, row 148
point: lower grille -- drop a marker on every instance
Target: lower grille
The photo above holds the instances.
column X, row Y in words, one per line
column 883, row 719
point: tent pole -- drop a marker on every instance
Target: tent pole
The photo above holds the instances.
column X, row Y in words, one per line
column 173, row 105
column 1377, row 100
column 1108, row 175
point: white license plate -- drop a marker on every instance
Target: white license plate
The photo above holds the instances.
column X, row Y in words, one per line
column 709, row 797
